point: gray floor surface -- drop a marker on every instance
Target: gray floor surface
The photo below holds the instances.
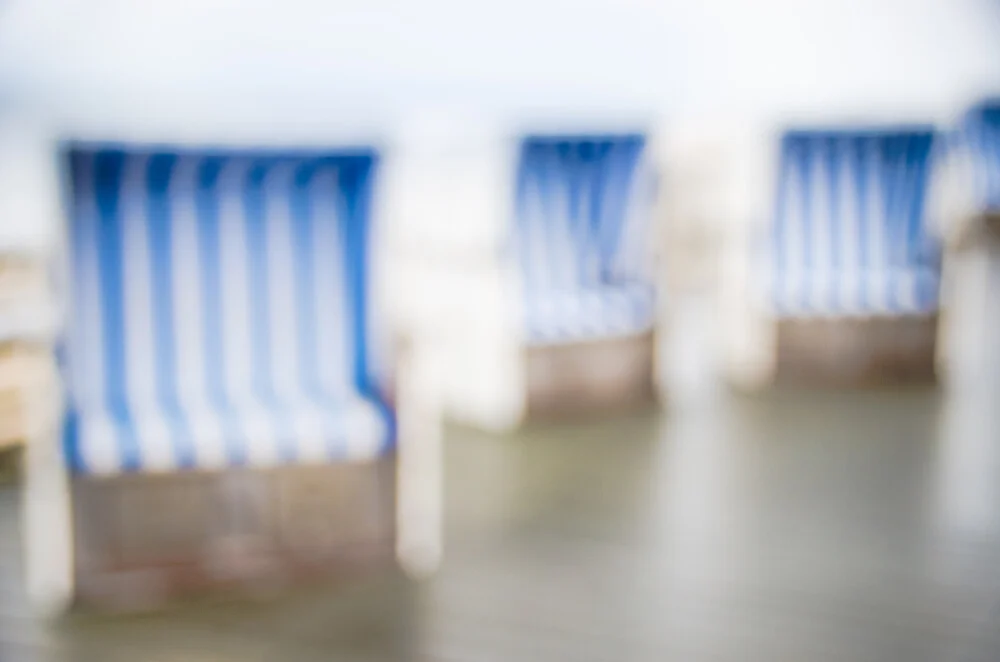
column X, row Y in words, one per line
column 796, row 526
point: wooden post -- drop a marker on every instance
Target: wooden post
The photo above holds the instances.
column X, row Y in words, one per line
column 420, row 485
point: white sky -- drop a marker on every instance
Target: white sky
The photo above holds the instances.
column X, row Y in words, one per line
column 365, row 60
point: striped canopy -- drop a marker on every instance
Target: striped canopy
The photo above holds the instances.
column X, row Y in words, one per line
column 849, row 236
column 219, row 309
column 582, row 238
column 980, row 138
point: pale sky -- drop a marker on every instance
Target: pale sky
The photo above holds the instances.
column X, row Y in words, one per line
column 367, row 59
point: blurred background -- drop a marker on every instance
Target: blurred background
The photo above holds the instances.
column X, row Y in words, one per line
column 646, row 329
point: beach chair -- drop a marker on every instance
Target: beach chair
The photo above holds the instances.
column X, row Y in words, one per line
column 843, row 284
column 581, row 239
column 223, row 427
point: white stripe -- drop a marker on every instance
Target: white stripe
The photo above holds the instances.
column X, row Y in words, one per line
column 906, row 294
column 850, row 268
column 875, row 281
column 631, row 257
column 589, row 257
column 582, row 238
column 902, row 178
column 309, row 418
column 203, row 420
column 312, row 435
column 233, row 269
column 151, row 429
column 818, row 274
column 615, row 203
column 792, row 274
column 136, row 283
column 278, row 191
column 538, row 227
column 365, row 430
column 236, row 322
column 562, row 236
column 548, row 210
column 332, row 312
column 281, row 281
column 97, row 437
column 907, row 291
column 534, row 238
column 635, row 255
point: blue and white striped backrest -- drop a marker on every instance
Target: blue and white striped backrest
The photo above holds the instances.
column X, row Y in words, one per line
column 574, row 224
column 980, row 138
column 849, row 233
column 213, row 279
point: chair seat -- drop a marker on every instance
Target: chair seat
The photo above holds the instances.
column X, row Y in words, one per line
column 150, row 437
column 907, row 291
column 562, row 316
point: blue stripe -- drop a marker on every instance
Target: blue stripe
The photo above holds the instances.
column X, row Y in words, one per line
column 927, row 249
column 579, row 223
column 210, row 257
column 891, row 194
column 980, row 132
column 304, row 247
column 862, row 165
column 340, row 199
column 262, row 375
column 586, row 225
column 990, row 123
column 804, row 165
column 600, row 170
column 356, row 181
column 257, row 268
column 833, row 184
column 921, row 249
column 571, row 168
column 159, row 224
column 624, row 157
column 108, row 168
column 71, row 441
column 546, row 201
